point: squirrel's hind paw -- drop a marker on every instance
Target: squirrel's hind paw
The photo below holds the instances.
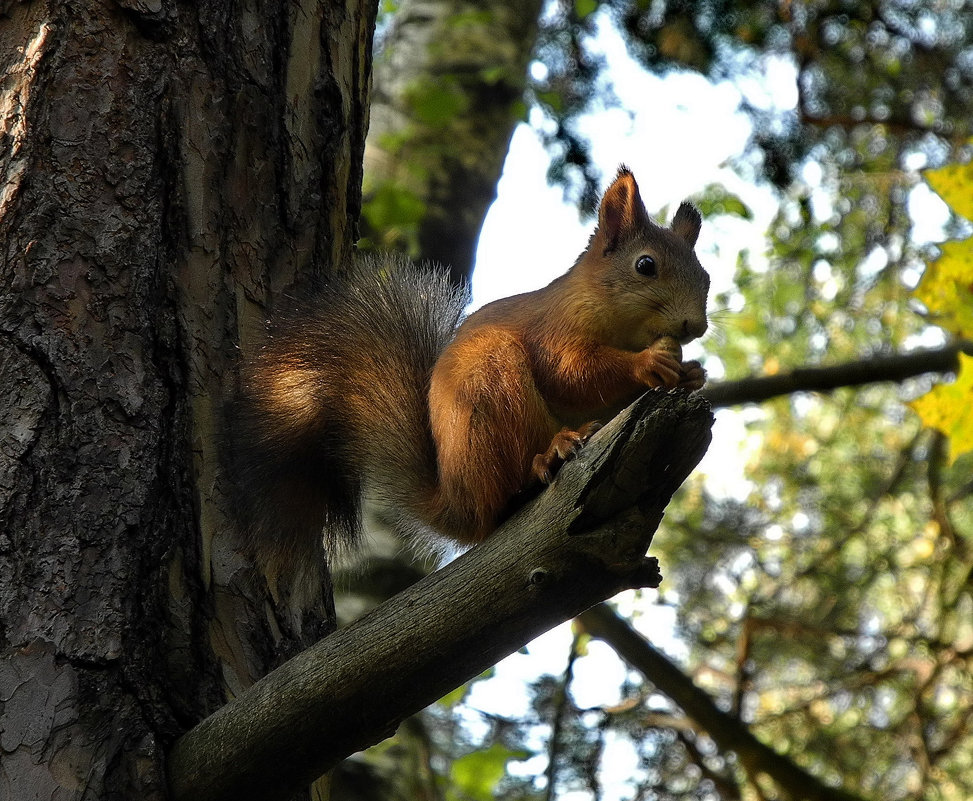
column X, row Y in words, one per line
column 564, row 447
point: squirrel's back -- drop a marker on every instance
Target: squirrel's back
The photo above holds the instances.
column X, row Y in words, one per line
column 311, row 430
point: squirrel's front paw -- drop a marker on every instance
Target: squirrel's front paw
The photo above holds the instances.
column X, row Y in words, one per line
column 565, row 446
column 693, row 376
column 659, row 364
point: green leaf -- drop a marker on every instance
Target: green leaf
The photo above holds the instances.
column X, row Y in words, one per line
column 715, row 200
column 456, row 696
column 436, row 104
column 477, row 774
column 584, row 8
column 393, row 206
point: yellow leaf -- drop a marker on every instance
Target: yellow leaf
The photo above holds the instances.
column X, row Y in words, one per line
column 949, row 408
column 947, row 287
column 952, row 183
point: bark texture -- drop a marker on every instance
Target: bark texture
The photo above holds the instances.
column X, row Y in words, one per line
column 165, row 168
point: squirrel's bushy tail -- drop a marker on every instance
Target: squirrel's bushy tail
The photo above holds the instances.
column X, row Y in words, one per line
column 338, row 393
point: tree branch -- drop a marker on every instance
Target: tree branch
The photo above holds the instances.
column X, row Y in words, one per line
column 850, row 374
column 581, row 541
column 728, row 732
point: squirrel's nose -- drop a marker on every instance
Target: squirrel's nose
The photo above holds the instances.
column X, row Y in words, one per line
column 692, row 329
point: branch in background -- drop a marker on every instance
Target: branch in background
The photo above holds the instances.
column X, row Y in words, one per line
column 728, row 732
column 850, row 374
column 581, row 541
column 723, row 781
column 561, row 701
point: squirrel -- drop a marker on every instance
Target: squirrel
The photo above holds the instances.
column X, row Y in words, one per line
column 374, row 388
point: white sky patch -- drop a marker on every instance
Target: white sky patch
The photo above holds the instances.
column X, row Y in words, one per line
column 929, row 214
column 530, row 236
column 723, row 465
column 597, row 677
column 506, row 693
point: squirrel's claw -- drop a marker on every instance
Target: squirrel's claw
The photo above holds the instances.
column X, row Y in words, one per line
column 564, row 447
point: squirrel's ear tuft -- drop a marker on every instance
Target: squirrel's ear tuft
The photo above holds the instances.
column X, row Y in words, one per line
column 621, row 209
column 687, row 223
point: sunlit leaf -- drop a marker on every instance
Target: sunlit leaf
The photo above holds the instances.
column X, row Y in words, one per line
column 947, row 287
column 947, row 408
column 585, row 7
column 954, row 184
column 716, row 200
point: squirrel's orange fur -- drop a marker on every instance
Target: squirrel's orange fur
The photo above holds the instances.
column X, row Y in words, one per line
column 366, row 391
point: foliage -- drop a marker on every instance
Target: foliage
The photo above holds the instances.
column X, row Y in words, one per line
column 947, row 292
column 828, row 603
column 946, row 408
column 832, row 609
column 903, row 68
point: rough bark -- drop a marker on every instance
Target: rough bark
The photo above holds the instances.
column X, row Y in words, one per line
column 164, row 169
column 449, row 85
column 583, row 540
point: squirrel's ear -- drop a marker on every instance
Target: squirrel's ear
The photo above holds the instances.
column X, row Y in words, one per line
column 621, row 209
column 687, row 223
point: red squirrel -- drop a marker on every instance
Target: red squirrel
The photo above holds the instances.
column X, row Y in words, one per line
column 369, row 390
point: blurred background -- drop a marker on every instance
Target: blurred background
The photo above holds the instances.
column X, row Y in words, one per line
column 818, row 587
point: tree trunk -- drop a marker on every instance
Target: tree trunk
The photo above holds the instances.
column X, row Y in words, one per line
column 166, row 168
column 449, row 91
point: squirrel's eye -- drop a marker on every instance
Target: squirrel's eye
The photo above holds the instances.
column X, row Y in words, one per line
column 645, row 265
